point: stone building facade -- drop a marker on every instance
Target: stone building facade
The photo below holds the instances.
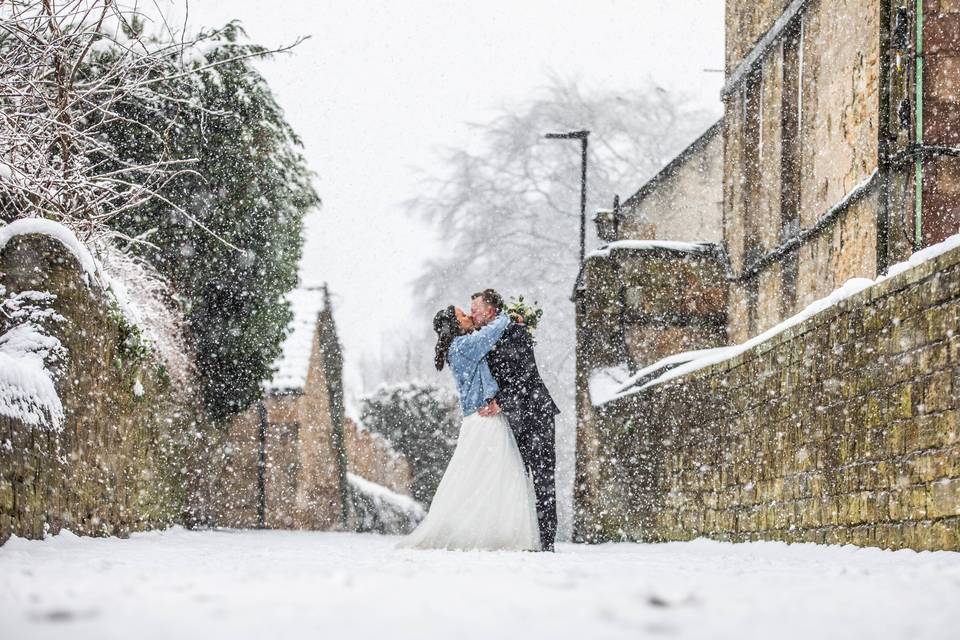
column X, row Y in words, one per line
column 287, row 459
column 840, row 157
column 841, row 137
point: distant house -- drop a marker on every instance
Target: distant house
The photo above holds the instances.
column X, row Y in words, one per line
column 658, row 286
column 294, row 460
column 683, row 201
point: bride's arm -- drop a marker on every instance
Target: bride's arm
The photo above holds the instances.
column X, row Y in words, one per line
column 474, row 346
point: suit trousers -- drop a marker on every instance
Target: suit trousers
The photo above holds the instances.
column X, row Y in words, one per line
column 536, row 439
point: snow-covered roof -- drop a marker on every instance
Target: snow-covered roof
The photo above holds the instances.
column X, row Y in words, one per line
column 291, row 367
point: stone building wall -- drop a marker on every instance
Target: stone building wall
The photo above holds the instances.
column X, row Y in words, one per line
column 941, row 119
column 746, row 22
column 301, row 479
column 844, row 428
column 685, row 200
column 834, row 146
column 309, row 447
column 371, row 457
column 126, row 456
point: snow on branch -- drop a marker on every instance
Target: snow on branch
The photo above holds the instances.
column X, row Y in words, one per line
column 70, row 71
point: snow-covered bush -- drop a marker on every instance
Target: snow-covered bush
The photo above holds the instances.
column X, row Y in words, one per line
column 381, row 510
column 422, row 422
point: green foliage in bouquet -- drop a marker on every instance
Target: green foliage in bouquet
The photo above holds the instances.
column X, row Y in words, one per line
column 530, row 313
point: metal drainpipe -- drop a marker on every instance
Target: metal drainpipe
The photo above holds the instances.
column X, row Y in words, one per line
column 883, row 141
column 262, row 465
column 918, row 134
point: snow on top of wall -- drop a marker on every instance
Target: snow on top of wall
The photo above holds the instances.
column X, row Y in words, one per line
column 849, row 288
column 293, row 364
column 381, row 495
column 55, row 230
column 652, row 245
column 606, row 382
column 611, row 383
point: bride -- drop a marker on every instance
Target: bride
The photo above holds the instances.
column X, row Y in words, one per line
column 485, row 499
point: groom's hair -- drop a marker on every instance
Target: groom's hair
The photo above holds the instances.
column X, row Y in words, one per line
column 491, row 297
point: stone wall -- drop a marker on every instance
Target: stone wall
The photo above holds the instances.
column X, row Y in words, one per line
column 842, row 429
column 126, row 457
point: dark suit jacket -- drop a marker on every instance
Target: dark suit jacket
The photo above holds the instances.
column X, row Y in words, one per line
column 522, row 396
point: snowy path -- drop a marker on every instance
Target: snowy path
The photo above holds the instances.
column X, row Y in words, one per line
column 275, row 584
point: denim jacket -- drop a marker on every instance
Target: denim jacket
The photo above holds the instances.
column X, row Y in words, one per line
column 468, row 362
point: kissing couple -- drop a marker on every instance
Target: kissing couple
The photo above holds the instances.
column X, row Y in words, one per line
column 498, row 491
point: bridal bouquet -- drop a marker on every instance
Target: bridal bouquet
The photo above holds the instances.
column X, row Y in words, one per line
column 527, row 313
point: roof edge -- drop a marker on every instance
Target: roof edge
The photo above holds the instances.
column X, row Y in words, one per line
column 671, row 166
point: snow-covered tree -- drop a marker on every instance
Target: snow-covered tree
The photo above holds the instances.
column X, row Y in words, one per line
column 228, row 234
column 171, row 143
column 55, row 106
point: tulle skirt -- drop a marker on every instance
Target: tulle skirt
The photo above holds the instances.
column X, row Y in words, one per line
column 485, row 499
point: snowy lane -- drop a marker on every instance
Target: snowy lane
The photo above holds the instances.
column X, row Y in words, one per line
column 276, row 584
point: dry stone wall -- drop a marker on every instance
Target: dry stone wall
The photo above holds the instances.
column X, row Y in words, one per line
column 843, row 429
column 125, row 456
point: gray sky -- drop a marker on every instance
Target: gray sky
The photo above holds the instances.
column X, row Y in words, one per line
column 381, row 86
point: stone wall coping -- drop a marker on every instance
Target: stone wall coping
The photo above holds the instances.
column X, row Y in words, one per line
column 904, row 275
column 674, row 248
column 56, row 231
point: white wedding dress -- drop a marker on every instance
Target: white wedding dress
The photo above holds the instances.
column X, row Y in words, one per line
column 485, row 499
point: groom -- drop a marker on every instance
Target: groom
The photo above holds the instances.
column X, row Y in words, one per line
column 527, row 404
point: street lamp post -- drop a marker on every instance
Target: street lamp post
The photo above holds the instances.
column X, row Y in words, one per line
column 580, row 381
column 582, row 137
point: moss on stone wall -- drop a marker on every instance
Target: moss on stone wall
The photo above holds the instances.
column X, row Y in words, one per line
column 127, row 457
column 842, row 429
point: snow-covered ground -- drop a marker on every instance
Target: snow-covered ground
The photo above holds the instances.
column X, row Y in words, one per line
column 285, row 584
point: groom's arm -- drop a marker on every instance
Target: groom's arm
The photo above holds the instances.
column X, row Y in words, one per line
column 522, row 371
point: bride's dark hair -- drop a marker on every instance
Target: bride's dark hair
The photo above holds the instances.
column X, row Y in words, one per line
column 447, row 327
